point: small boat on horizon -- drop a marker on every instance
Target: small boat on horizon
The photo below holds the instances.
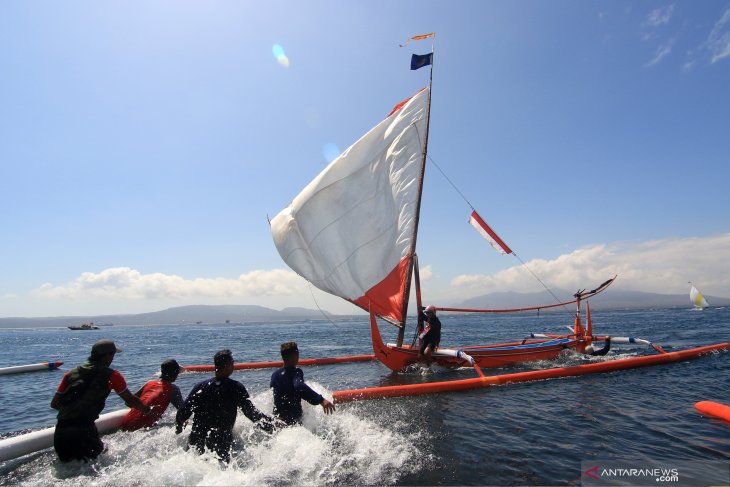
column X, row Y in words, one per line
column 85, row 326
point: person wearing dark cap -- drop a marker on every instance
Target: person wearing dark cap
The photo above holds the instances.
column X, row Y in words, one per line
column 214, row 404
column 81, row 397
column 157, row 394
column 289, row 388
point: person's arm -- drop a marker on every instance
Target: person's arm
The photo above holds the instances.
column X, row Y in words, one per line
column 310, row 395
column 56, row 401
column 304, row 391
column 135, row 402
column 186, row 409
column 119, row 385
column 328, row 407
column 176, row 397
column 263, row 421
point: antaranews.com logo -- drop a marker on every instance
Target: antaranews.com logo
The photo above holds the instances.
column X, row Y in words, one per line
column 654, row 473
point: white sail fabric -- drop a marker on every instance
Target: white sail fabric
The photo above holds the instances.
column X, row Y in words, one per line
column 698, row 300
column 351, row 231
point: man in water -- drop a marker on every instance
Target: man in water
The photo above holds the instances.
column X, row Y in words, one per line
column 81, row 397
column 430, row 335
column 157, row 394
column 289, row 388
column 602, row 351
column 214, row 404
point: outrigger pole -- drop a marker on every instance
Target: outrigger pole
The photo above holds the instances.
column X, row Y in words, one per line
column 488, row 381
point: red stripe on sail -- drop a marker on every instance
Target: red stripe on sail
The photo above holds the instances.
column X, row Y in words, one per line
column 386, row 297
column 401, row 104
column 494, row 237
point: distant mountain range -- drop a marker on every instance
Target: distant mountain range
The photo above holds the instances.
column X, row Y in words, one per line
column 611, row 299
column 182, row 315
column 179, row 315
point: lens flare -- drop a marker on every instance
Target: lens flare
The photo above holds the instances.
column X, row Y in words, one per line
column 331, row 151
column 280, row 56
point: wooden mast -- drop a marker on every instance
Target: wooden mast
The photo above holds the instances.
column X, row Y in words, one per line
column 413, row 260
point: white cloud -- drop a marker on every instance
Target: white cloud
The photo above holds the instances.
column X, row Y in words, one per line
column 718, row 42
column 426, row 272
column 130, row 284
column 662, row 52
column 659, row 16
column 661, row 266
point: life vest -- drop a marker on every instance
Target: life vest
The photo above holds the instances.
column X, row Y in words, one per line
column 155, row 394
column 85, row 394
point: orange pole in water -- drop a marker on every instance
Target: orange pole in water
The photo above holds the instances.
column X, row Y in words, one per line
column 479, row 382
column 709, row 408
column 268, row 365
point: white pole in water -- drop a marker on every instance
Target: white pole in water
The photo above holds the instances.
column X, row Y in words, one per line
column 30, row 368
column 20, row 445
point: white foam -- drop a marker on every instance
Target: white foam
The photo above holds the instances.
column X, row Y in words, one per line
column 342, row 448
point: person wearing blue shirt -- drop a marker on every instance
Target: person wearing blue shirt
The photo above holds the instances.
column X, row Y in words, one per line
column 289, row 388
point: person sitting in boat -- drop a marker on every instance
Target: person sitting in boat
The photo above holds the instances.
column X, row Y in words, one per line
column 430, row 335
column 157, row 394
column 79, row 400
column 590, row 350
column 289, row 388
column 213, row 404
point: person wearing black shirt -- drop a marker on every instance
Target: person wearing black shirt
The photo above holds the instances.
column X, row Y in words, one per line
column 590, row 350
column 213, row 404
column 430, row 335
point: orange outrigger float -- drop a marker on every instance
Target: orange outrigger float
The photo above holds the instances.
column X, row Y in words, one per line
column 552, row 373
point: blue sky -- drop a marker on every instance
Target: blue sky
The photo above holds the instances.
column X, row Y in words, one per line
column 143, row 144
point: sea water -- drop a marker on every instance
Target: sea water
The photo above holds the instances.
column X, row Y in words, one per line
column 520, row 434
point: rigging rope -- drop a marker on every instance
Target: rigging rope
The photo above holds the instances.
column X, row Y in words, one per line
column 473, row 209
column 317, row 304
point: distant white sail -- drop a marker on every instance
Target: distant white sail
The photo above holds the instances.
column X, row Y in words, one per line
column 698, row 300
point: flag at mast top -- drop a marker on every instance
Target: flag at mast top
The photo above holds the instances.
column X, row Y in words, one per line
column 418, row 38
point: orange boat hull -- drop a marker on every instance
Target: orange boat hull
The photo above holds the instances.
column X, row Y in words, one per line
column 503, row 354
column 398, row 358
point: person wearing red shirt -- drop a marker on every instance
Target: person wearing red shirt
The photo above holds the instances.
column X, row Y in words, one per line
column 157, row 394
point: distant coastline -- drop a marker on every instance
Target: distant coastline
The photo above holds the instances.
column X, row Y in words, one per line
column 237, row 314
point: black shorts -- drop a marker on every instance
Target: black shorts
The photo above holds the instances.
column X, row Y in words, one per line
column 77, row 442
column 428, row 341
column 214, row 440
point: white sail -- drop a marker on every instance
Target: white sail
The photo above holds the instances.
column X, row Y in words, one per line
column 697, row 299
column 351, row 232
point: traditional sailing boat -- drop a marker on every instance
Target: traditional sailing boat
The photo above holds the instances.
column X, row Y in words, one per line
column 352, row 233
column 697, row 299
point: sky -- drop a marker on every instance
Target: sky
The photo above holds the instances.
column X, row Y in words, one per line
column 144, row 144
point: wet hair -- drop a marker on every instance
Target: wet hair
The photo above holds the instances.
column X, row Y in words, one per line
column 169, row 369
column 222, row 358
column 288, row 349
